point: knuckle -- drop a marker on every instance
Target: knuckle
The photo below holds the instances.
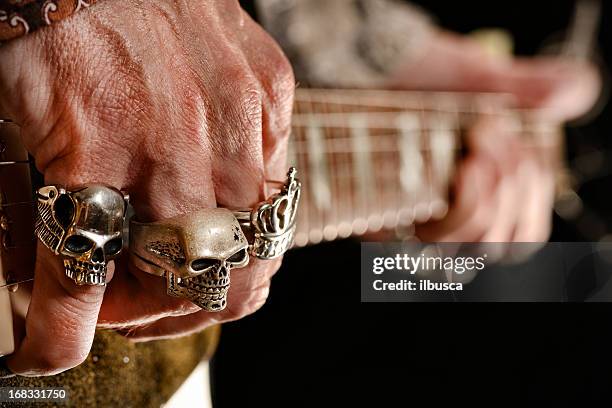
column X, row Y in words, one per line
column 240, row 110
column 260, row 299
column 250, row 99
column 283, row 83
column 236, row 311
column 249, row 305
column 280, row 93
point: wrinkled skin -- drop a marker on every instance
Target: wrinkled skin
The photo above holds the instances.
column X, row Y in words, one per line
column 184, row 105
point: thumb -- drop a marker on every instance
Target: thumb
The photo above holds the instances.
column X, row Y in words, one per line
column 60, row 323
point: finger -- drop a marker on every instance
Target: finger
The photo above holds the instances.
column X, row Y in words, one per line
column 492, row 216
column 238, row 178
column 278, row 87
column 507, row 197
column 506, row 209
column 61, row 320
column 172, row 185
column 469, row 215
column 172, row 327
column 150, row 302
column 537, row 179
column 246, row 297
column 147, row 295
column 494, row 137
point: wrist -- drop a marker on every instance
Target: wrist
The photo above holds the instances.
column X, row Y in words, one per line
column 19, row 18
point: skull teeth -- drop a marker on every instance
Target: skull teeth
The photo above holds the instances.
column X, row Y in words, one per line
column 203, row 283
column 209, row 294
column 210, row 289
column 85, row 272
column 89, row 265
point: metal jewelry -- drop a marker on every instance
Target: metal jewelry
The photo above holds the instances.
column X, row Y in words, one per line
column 84, row 226
column 194, row 252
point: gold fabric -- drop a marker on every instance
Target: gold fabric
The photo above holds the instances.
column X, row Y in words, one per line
column 120, row 373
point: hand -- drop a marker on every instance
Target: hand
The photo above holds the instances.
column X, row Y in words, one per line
column 184, row 105
column 504, row 189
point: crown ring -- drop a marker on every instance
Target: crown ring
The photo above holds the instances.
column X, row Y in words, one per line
column 271, row 224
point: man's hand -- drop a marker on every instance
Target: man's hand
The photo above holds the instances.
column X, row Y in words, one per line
column 504, row 190
column 184, row 105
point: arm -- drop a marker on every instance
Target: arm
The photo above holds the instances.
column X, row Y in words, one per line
column 390, row 44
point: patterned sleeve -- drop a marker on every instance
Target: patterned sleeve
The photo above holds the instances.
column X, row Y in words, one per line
column 20, row 17
column 349, row 43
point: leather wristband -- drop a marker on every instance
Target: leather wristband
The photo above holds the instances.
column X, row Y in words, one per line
column 20, row 17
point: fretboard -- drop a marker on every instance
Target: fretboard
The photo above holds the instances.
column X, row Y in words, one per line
column 373, row 160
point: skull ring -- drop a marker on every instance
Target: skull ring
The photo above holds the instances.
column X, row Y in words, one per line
column 194, row 252
column 85, row 226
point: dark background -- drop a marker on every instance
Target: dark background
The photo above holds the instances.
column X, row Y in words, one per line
column 315, row 344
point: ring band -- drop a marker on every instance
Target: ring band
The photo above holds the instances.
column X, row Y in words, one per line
column 272, row 222
column 84, row 226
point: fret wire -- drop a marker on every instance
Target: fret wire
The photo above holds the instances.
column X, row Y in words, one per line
column 305, row 210
column 325, row 213
column 440, row 160
column 392, row 199
column 397, row 199
column 343, row 193
column 427, row 162
column 332, row 215
column 410, row 146
column 348, row 196
column 303, row 215
column 315, row 209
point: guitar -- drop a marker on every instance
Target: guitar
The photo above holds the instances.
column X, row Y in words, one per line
column 368, row 161
column 374, row 160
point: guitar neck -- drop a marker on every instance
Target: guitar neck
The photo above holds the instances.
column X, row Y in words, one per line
column 373, row 160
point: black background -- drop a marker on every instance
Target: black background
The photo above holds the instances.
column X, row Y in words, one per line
column 315, row 344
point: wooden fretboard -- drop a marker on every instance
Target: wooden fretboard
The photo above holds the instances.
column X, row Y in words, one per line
column 372, row 160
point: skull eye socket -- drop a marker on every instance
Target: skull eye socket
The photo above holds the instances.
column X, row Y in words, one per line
column 64, row 210
column 78, row 244
column 113, row 246
column 203, row 263
column 238, row 257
